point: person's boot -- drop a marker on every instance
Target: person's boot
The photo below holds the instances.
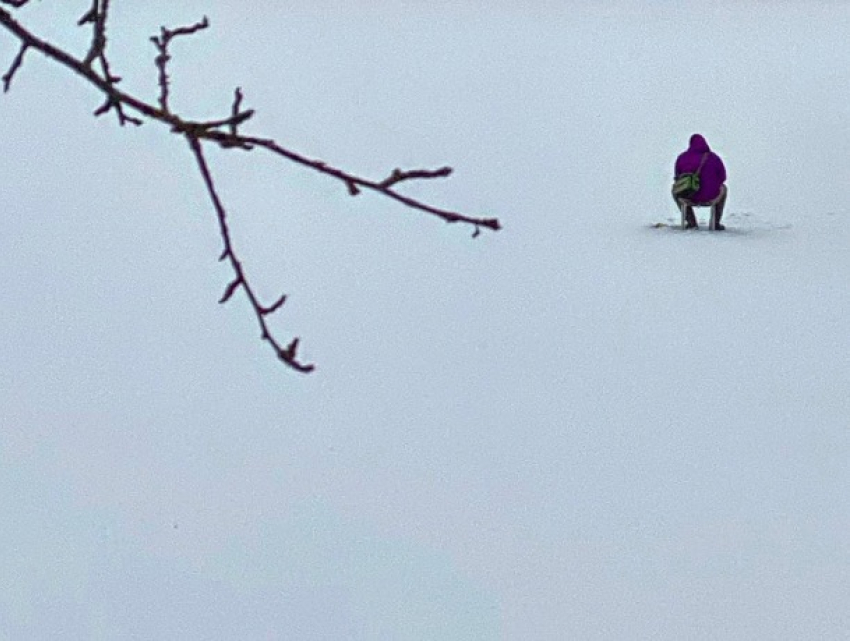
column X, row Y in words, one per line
column 690, row 219
column 717, row 210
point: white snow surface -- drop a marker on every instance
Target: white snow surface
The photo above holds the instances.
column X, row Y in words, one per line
column 579, row 427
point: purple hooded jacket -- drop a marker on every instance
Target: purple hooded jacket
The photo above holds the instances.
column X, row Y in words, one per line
column 712, row 175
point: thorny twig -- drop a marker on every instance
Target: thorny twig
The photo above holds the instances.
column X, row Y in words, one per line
column 223, row 132
column 161, row 43
column 234, row 111
column 287, row 355
column 97, row 16
column 398, row 175
column 16, row 64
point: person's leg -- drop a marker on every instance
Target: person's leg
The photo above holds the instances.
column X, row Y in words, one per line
column 721, row 203
column 718, row 207
column 690, row 219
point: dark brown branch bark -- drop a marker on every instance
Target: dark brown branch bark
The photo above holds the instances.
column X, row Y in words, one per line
column 287, row 355
column 16, row 64
column 398, row 175
column 97, row 16
column 162, row 43
column 90, row 15
column 223, row 132
column 353, row 182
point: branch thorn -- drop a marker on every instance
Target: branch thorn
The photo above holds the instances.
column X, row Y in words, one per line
column 265, row 311
column 234, row 284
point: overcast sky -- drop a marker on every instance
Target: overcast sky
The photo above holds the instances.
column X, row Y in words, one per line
column 571, row 428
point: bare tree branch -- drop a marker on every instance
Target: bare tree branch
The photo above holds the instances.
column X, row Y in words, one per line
column 97, row 16
column 161, row 61
column 398, row 175
column 287, row 355
column 355, row 182
column 234, row 110
column 90, row 15
column 224, row 132
column 16, row 64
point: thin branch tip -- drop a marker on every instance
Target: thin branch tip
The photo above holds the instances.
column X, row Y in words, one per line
column 265, row 311
column 13, row 68
column 89, row 16
column 161, row 42
column 231, row 288
column 288, row 355
column 398, row 175
column 235, row 110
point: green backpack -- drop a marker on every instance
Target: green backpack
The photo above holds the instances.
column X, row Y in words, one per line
column 687, row 185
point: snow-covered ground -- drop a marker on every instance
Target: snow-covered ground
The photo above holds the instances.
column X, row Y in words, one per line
column 580, row 427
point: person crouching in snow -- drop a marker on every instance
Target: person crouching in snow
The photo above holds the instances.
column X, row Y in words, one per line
column 699, row 159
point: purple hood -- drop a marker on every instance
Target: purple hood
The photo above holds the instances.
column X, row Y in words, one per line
column 713, row 172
